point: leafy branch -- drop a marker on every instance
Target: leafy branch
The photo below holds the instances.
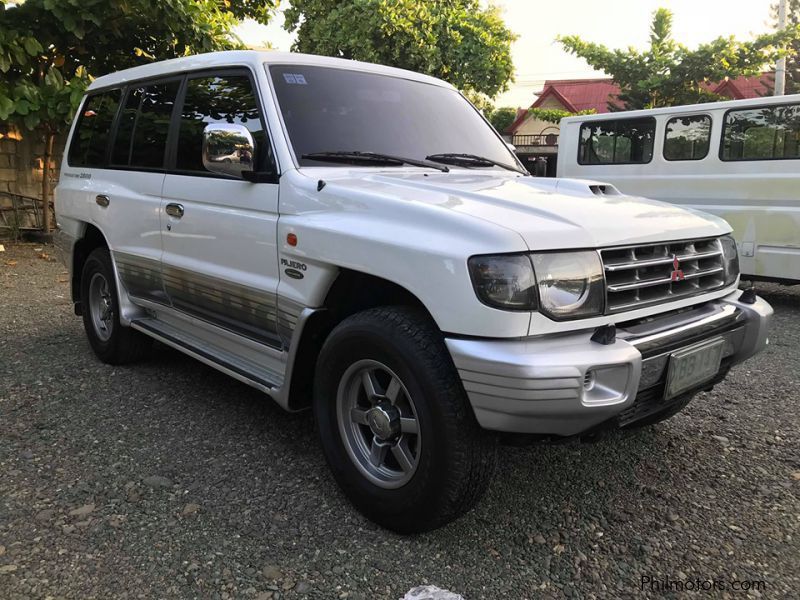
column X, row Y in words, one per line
column 668, row 73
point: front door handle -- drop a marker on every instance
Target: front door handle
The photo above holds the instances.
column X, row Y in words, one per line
column 174, row 210
column 102, row 200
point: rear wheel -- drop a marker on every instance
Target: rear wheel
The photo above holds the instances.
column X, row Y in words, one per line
column 111, row 342
column 395, row 423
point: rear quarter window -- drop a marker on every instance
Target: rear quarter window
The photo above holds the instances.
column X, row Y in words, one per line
column 89, row 145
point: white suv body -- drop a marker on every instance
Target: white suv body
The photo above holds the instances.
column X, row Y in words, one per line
column 423, row 299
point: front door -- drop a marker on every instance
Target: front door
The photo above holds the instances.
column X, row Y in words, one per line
column 219, row 260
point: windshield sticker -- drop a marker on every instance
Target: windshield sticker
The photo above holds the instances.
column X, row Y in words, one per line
column 295, row 78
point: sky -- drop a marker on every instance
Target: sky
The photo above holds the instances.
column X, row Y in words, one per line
column 615, row 23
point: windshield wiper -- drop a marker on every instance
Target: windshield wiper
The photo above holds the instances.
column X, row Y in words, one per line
column 471, row 160
column 355, row 156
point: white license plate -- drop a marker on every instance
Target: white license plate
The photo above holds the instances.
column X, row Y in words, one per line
column 692, row 366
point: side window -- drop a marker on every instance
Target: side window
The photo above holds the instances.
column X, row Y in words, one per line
column 770, row 132
column 90, row 140
column 141, row 139
column 687, row 138
column 218, row 99
column 617, row 142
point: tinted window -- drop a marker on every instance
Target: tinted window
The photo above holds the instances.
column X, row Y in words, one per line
column 141, row 138
column 328, row 110
column 622, row 141
column 762, row 133
column 90, row 140
column 222, row 99
column 687, row 138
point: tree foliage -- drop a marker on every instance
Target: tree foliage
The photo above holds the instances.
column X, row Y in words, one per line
column 501, row 117
column 793, row 58
column 459, row 41
column 668, row 73
column 554, row 115
column 50, row 49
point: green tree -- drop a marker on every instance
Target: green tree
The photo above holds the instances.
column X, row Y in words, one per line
column 501, row 118
column 554, row 115
column 793, row 58
column 51, row 49
column 668, row 73
column 459, row 41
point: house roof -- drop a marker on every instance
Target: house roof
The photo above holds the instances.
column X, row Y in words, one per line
column 576, row 95
column 742, row 88
column 579, row 94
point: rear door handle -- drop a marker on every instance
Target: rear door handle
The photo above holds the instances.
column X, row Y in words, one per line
column 102, row 200
column 174, row 210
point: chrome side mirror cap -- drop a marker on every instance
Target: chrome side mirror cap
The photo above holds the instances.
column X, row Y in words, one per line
column 228, row 149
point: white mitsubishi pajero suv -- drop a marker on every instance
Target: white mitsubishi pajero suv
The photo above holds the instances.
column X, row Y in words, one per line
column 358, row 239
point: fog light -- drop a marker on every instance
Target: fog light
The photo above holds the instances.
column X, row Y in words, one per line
column 603, row 386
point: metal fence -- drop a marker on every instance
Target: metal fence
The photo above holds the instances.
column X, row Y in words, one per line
column 538, row 139
column 21, row 213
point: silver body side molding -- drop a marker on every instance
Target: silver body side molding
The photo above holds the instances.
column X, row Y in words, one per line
column 260, row 366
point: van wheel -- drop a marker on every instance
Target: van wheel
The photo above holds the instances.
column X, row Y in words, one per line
column 111, row 342
column 395, row 423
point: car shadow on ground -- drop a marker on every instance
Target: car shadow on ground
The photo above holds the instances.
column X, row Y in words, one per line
column 529, row 480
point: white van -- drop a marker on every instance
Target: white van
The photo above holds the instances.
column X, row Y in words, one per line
column 738, row 159
column 358, row 240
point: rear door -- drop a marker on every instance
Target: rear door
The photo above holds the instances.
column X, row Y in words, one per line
column 116, row 172
column 137, row 159
column 219, row 259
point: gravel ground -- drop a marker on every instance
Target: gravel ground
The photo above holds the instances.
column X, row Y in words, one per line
column 167, row 479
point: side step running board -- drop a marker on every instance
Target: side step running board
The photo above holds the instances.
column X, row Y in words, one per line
column 243, row 370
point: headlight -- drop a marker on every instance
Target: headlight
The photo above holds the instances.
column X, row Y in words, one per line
column 504, row 282
column 570, row 284
column 731, row 258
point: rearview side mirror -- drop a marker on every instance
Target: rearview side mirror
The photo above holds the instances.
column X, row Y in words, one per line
column 228, row 149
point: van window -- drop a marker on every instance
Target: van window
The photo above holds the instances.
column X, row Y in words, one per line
column 141, row 138
column 687, row 138
column 769, row 132
column 617, row 142
column 90, row 140
column 217, row 99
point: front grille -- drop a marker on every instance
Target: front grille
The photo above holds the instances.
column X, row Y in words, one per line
column 638, row 276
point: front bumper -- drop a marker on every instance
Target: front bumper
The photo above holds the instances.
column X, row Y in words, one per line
column 540, row 385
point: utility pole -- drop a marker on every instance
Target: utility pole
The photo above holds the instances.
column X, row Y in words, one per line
column 780, row 68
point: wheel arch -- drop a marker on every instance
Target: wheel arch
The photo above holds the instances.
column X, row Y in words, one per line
column 350, row 292
column 91, row 239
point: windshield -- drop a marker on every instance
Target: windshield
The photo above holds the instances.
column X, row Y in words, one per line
column 339, row 110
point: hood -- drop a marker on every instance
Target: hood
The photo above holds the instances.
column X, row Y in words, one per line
column 548, row 214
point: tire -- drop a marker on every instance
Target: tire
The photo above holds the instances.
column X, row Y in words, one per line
column 111, row 342
column 425, row 479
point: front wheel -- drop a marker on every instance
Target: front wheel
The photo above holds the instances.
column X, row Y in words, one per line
column 395, row 423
